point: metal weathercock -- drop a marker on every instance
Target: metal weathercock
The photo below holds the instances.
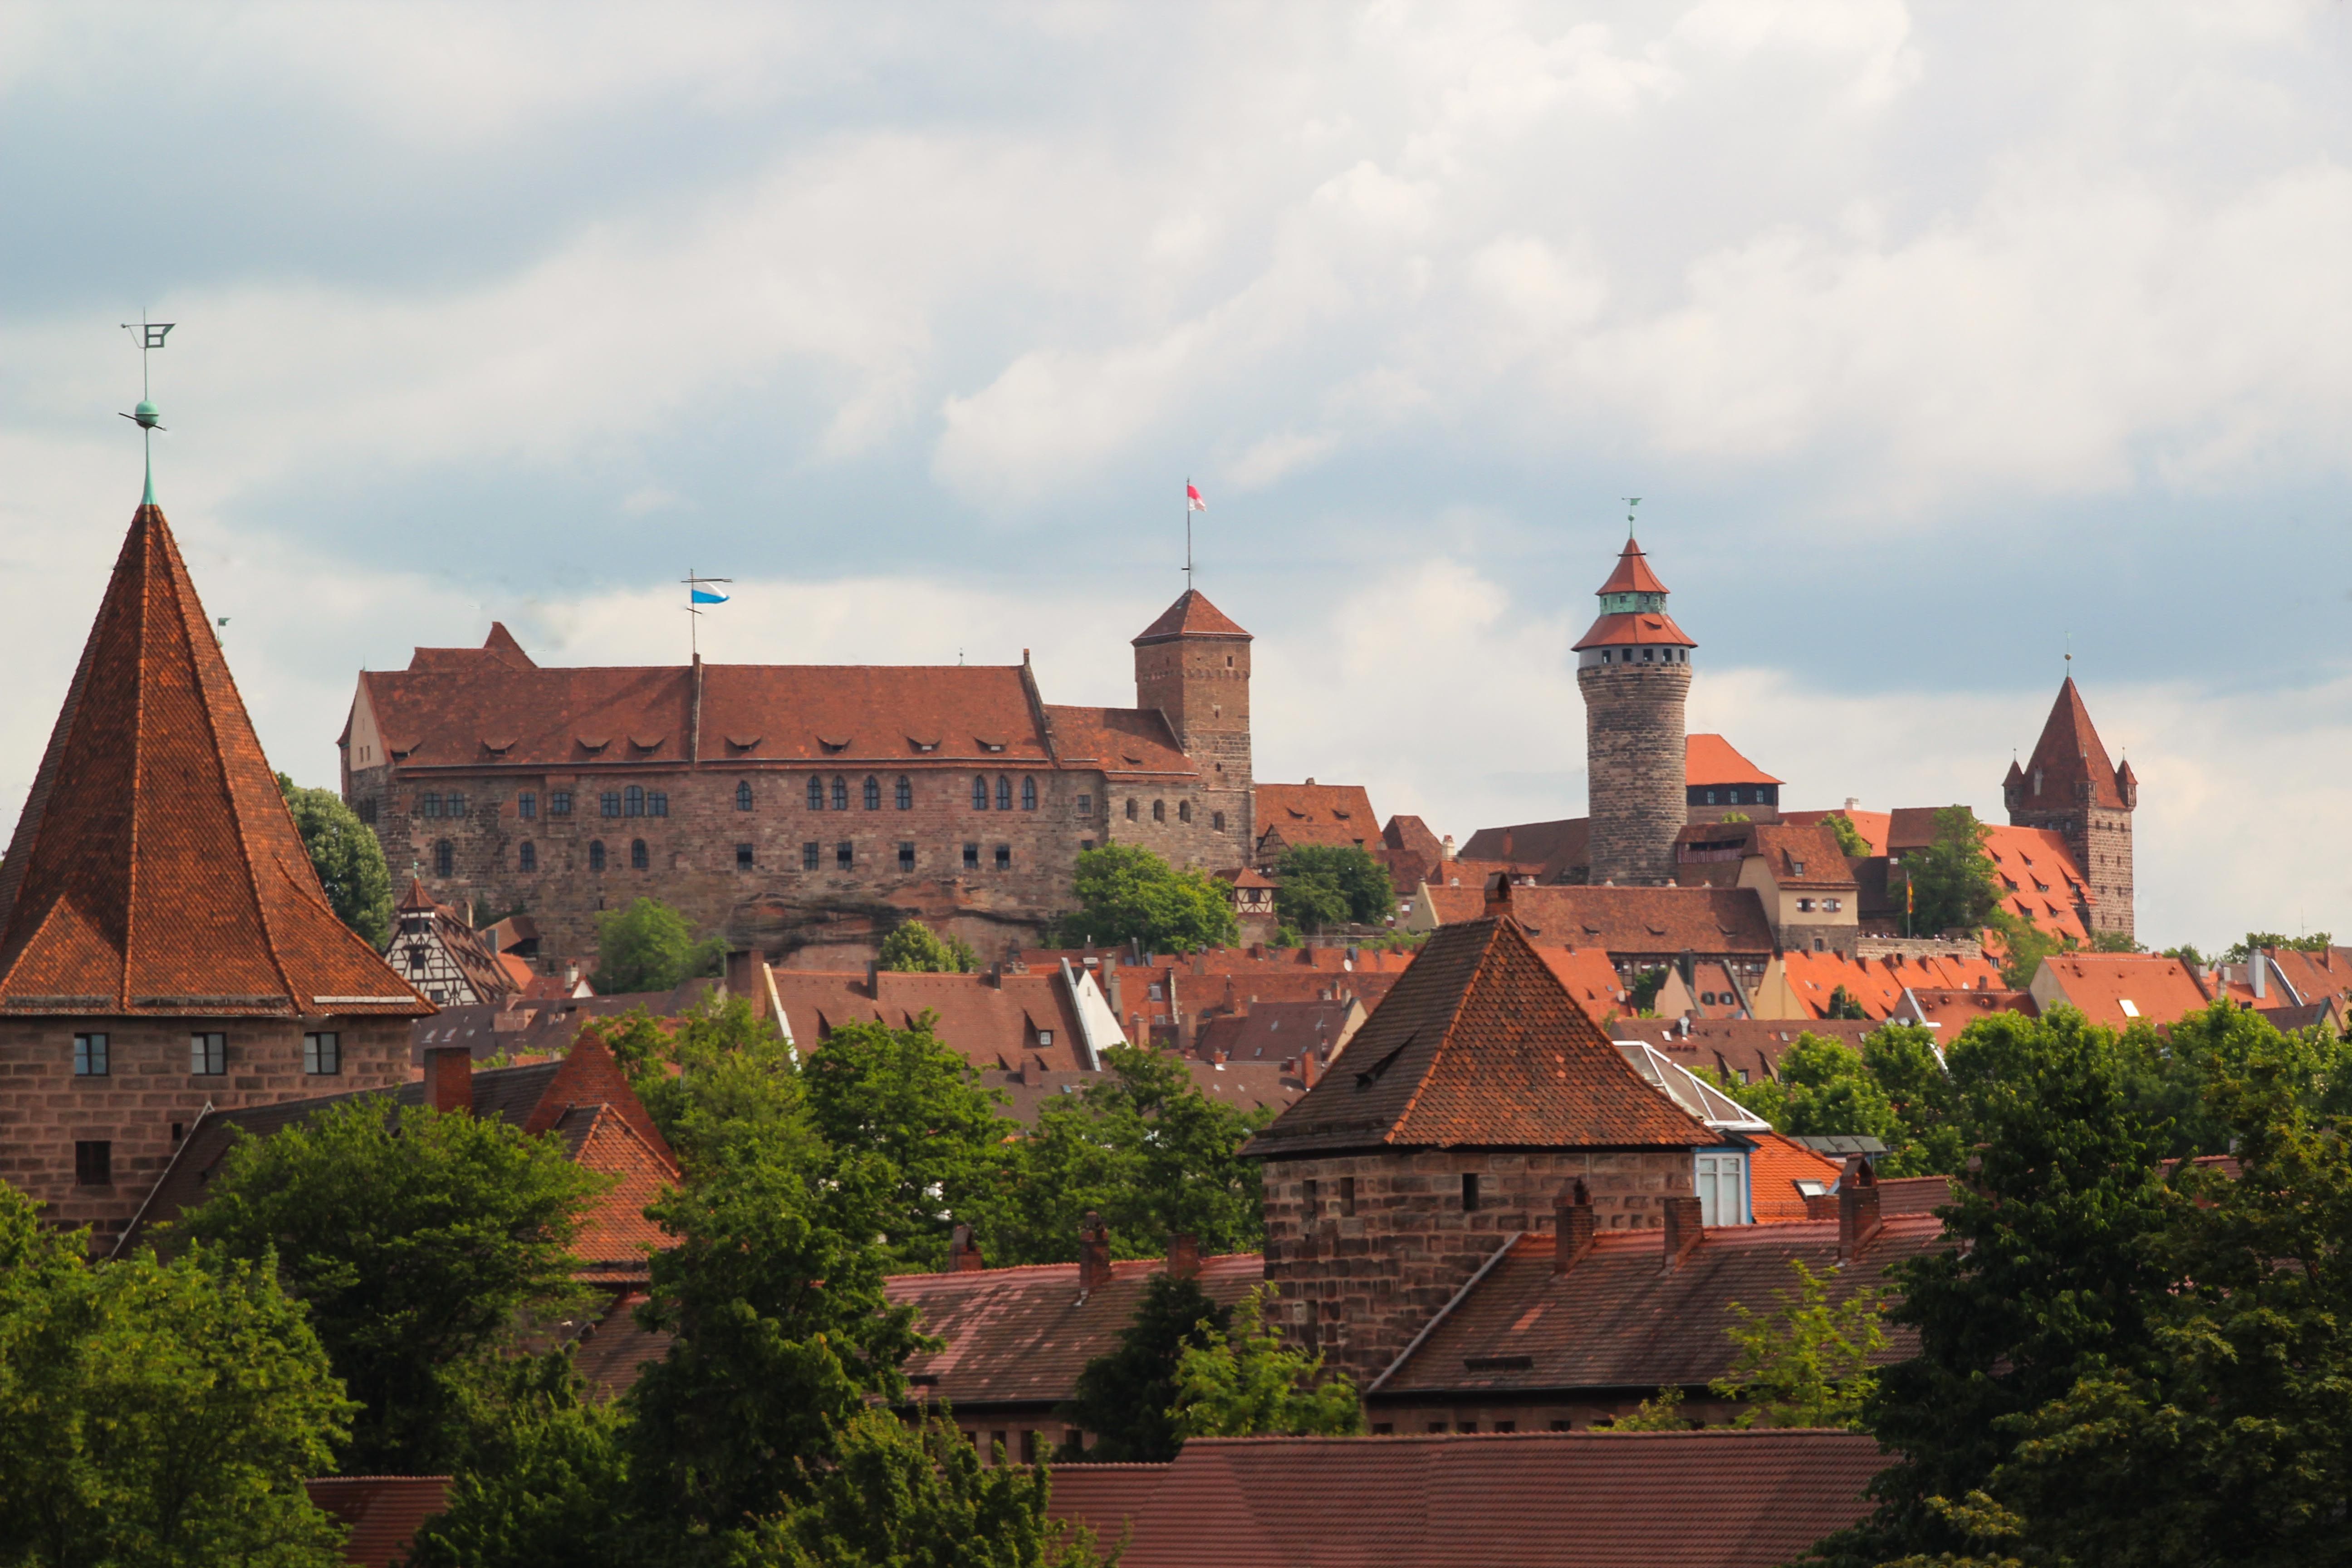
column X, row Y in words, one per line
column 151, row 337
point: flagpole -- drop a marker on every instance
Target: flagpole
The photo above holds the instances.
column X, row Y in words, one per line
column 1188, row 533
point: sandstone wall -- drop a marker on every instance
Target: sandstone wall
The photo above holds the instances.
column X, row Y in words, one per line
column 1636, row 779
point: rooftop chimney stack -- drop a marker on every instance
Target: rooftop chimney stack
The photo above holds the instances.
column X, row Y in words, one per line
column 1684, row 1226
column 1857, row 1208
column 1094, row 1253
column 1183, row 1254
column 450, row 1077
column 1499, row 895
column 2257, row 968
column 963, row 1253
column 1571, row 1215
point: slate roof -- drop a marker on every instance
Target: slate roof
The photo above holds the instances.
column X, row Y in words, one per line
column 155, row 869
column 1021, row 1336
column 1479, row 1044
column 1703, row 920
column 1711, row 760
column 1191, row 615
column 1717, row 1498
column 381, row 1512
column 1619, row 1319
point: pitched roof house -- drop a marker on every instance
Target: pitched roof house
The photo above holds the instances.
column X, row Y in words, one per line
column 2120, row 989
column 445, row 957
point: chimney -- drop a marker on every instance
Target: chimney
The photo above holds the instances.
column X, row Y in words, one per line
column 963, row 1257
column 873, row 978
column 2257, row 968
column 1857, row 1208
column 450, row 1077
column 1183, row 1254
column 1445, row 848
column 571, row 976
column 743, row 973
column 1683, row 1227
column 1499, row 895
column 1094, row 1253
column 1571, row 1219
column 996, row 976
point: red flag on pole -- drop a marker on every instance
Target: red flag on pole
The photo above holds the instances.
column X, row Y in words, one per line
column 1193, row 501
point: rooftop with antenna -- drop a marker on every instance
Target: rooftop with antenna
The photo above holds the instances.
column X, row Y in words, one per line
column 146, row 416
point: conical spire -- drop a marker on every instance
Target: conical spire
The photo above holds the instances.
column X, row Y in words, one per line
column 1190, row 615
column 1632, row 574
column 155, row 869
column 2070, row 754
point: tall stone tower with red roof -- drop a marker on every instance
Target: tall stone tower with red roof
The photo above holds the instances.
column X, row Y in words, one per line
column 165, row 949
column 1193, row 664
column 2071, row 788
column 1634, row 668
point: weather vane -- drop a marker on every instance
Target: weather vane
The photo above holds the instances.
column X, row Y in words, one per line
column 151, row 337
column 1631, row 502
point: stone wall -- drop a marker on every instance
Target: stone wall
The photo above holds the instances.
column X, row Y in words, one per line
column 2100, row 839
column 148, row 1098
column 1360, row 1271
column 1635, row 777
column 1202, row 687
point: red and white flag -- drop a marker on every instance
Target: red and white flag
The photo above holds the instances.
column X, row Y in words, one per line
column 1193, row 501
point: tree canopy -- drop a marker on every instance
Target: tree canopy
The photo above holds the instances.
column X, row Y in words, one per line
column 914, row 948
column 2238, row 952
column 1127, row 894
column 1954, row 884
column 348, row 858
column 1320, row 885
column 648, row 946
column 1849, row 836
column 1893, row 1090
column 1250, row 1385
column 1125, row 1397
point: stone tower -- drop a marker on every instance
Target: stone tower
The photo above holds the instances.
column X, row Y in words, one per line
column 1634, row 668
column 2070, row 787
column 1193, row 664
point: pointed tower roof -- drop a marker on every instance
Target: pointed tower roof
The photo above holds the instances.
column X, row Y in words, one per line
column 1632, row 574
column 155, row 869
column 1479, row 1044
column 2069, row 754
column 1191, row 615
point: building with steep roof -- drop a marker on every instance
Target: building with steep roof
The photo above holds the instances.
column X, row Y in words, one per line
column 1720, row 783
column 2120, row 989
column 2069, row 787
column 445, row 958
column 166, row 947
column 786, row 807
column 1633, row 668
column 1340, row 816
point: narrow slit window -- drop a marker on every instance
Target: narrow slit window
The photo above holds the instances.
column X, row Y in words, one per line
column 906, row 797
column 527, row 856
column 873, row 793
column 596, row 855
column 743, row 795
column 816, row 794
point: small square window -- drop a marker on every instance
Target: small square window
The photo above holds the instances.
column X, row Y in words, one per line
column 209, row 1054
column 1044, row 1038
column 609, row 803
column 972, row 857
column 322, row 1053
column 527, row 805
column 1004, row 857
column 906, row 857
column 94, row 1165
column 742, row 856
column 810, row 854
column 845, row 856
column 456, row 803
column 657, row 803
column 90, row 1055
column 1086, row 845
column 1086, row 806
column 559, row 802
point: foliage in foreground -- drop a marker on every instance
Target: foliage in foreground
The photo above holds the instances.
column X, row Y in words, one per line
column 1125, row 1397
column 649, row 946
column 1807, row 1362
column 1250, row 1385
column 914, row 948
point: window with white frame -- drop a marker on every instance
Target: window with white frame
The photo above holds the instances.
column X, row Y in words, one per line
column 1722, row 1186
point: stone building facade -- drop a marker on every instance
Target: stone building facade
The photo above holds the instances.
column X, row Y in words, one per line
column 2070, row 787
column 1633, row 668
column 165, row 949
column 798, row 809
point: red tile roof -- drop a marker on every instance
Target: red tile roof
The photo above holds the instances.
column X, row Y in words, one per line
column 1311, row 812
column 1632, row 574
column 1775, row 1167
column 612, row 1350
column 1590, row 978
column 1276, row 1031
column 1735, row 1046
column 990, row 1024
column 1710, row 760
column 1480, row 1045
column 381, row 1512
column 1191, row 615
column 1715, row 1499
column 1561, row 847
column 1021, row 1336
column 1955, row 1008
column 2158, row 989
column 155, row 869
column 1126, row 743
column 1650, row 628
column 1872, row 824
column 2069, row 755
column 617, row 1238
column 1623, row 921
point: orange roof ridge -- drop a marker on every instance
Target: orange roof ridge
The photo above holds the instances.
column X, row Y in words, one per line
column 138, row 881
column 1632, row 574
column 1191, row 615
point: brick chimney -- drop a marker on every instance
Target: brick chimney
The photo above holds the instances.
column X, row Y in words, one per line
column 1183, row 1254
column 743, row 973
column 1498, row 893
column 1684, row 1228
column 1572, row 1221
column 1857, row 1208
column 963, row 1254
column 1094, row 1253
column 450, row 1077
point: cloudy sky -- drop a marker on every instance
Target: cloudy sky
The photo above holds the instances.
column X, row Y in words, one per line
column 1931, row 335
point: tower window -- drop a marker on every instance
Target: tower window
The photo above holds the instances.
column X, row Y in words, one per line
column 972, row 857
column 527, row 856
column 90, row 1055
column 93, row 1163
column 1130, row 808
column 845, row 856
column 1216, row 822
column 979, row 793
column 1469, row 1192
column 1004, row 857
column 873, row 793
column 1028, row 794
column 596, row 855
column 1183, row 811
column 840, row 793
column 810, row 854
column 907, row 858
column 559, row 802
column 633, row 800
column 1004, row 792
column 444, row 859
column 322, row 1053
column 638, row 859
column 743, row 795
column 209, row 1054
column 816, row 794
column 527, row 805
column 1158, row 811
column 905, row 793
column 742, row 856
column 657, row 803
column 608, row 803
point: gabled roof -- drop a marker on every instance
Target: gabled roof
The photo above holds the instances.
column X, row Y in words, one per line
column 1590, row 979
column 1775, row 1167
column 2069, row 754
column 990, row 1023
column 2120, row 989
column 1710, row 760
column 381, row 1512
column 155, row 869
column 1128, row 744
column 1560, row 847
column 1313, row 813
column 1633, row 573
column 1479, row 1044
column 1701, row 920
column 1191, row 615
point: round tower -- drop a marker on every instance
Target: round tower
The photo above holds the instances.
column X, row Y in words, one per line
column 1634, row 668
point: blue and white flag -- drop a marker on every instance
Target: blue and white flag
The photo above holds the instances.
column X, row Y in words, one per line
column 705, row 596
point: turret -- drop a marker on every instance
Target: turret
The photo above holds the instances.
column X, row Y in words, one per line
column 1633, row 668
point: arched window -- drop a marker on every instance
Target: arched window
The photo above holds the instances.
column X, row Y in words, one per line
column 840, row 793
column 444, row 859
column 638, row 859
column 596, row 854
column 816, row 794
column 873, row 793
column 1004, row 792
column 1130, row 808
column 1183, row 811
column 743, row 795
column 1217, row 821
column 1158, row 811
column 527, row 857
column 905, row 793
column 979, row 793
column 1028, row 794
column 633, row 800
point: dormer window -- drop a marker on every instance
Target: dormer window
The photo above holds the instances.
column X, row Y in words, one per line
column 991, row 746
column 833, row 748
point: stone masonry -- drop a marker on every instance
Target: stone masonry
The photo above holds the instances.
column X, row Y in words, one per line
column 1634, row 762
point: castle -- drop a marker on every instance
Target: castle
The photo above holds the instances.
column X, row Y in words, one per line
column 798, row 808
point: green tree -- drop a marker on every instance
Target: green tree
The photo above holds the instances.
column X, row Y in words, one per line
column 648, row 946
column 419, row 1242
column 902, row 1095
column 1662, row 1412
column 718, row 1074
column 1251, row 1384
column 2027, row 944
column 1843, row 1005
column 1642, row 995
column 2238, row 952
column 1893, row 1090
column 916, row 1496
column 348, row 858
column 1850, row 839
column 1127, row 894
column 1333, row 884
column 1125, row 1396
column 153, row 1412
column 547, row 1487
column 1955, row 886
column 2114, row 942
column 1142, row 1146
column 914, row 948
column 1807, row 1362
